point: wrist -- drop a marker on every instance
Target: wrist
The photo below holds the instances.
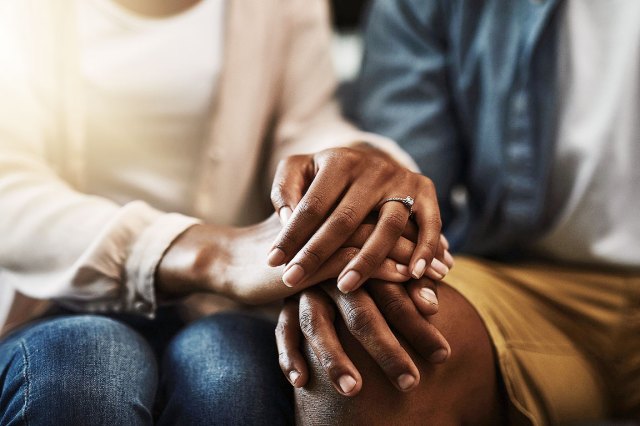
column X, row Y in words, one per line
column 193, row 263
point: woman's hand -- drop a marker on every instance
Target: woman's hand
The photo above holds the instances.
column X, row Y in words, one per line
column 232, row 262
column 323, row 198
column 367, row 315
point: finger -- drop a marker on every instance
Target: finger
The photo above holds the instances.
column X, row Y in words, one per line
column 411, row 231
column 444, row 242
column 316, row 323
column 288, row 338
column 424, row 293
column 401, row 251
column 391, row 224
column 307, row 217
column 400, row 311
column 389, row 270
column 337, row 228
column 365, row 322
column 291, row 180
column 427, row 217
column 442, row 256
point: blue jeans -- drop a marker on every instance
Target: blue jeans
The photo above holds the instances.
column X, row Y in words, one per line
column 94, row 370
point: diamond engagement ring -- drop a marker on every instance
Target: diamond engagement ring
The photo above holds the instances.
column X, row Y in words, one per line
column 407, row 201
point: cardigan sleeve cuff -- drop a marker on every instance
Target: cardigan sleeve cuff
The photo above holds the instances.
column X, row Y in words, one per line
column 144, row 258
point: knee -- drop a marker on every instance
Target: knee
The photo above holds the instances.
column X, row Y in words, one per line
column 227, row 347
column 93, row 365
column 230, row 361
column 463, row 389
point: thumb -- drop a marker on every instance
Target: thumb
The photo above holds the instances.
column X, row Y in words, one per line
column 293, row 175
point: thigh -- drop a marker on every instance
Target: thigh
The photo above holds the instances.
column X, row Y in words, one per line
column 76, row 370
column 548, row 325
column 464, row 390
column 224, row 370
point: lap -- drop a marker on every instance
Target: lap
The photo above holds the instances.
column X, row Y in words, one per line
column 559, row 334
column 98, row 363
column 560, row 340
column 223, row 367
column 227, row 365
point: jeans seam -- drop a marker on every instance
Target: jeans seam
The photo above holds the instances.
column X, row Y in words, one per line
column 25, row 374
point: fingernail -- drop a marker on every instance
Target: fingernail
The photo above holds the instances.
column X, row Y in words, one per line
column 439, row 267
column 418, row 269
column 438, row 356
column 349, row 281
column 293, row 377
column 276, row 257
column 285, row 214
column 293, row 276
column 346, row 383
column 406, row 381
column 403, row 269
column 448, row 259
column 429, row 295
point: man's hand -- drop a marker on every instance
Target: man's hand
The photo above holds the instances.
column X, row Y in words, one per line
column 368, row 314
column 232, row 262
column 323, row 198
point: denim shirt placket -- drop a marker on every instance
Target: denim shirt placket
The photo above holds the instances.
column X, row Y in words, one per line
column 523, row 189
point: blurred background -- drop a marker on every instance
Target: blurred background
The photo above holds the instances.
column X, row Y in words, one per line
column 347, row 13
column 348, row 16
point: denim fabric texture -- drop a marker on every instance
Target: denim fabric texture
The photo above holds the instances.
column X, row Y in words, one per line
column 94, row 370
column 467, row 88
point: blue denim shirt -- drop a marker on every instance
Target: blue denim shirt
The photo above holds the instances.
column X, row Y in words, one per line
column 467, row 88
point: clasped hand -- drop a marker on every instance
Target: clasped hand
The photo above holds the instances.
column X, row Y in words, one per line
column 336, row 223
column 322, row 199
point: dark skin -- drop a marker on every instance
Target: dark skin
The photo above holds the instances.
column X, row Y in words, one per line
column 323, row 201
column 464, row 390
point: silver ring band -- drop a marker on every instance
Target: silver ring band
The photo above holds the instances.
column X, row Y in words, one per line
column 407, row 201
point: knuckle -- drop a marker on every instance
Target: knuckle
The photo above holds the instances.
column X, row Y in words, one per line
column 394, row 222
column 391, row 361
column 381, row 166
column 313, row 255
column 287, row 240
column 312, row 207
column 328, row 362
column 342, row 159
column 429, row 249
column 308, row 324
column 346, row 219
column 360, row 321
column 426, row 183
column 394, row 307
column 347, row 254
column 369, row 260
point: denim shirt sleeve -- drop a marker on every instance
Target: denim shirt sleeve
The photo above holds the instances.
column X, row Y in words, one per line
column 403, row 90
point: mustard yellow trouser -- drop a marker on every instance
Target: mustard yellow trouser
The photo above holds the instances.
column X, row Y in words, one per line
column 567, row 339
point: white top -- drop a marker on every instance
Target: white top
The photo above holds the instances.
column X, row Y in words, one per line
column 595, row 183
column 99, row 255
column 149, row 87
